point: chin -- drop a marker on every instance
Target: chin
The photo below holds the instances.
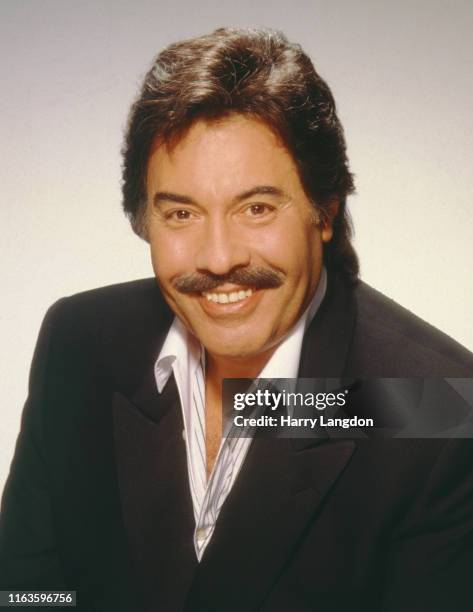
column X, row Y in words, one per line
column 234, row 350
column 238, row 341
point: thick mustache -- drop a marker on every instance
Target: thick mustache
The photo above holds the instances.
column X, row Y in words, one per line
column 256, row 278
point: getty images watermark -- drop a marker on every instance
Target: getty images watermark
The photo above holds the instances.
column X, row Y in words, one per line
column 293, row 401
column 349, row 407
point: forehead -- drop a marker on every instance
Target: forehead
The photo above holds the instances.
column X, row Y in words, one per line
column 222, row 156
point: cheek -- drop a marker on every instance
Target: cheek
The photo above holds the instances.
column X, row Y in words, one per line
column 291, row 247
column 171, row 256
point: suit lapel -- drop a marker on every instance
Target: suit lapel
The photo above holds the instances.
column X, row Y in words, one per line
column 327, row 340
column 275, row 496
column 155, row 497
column 280, row 488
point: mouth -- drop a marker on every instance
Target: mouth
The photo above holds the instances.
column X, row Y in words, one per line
column 227, row 297
column 227, row 303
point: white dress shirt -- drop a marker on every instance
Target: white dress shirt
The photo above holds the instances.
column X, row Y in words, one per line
column 183, row 355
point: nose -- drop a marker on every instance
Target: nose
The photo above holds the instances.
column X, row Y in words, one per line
column 221, row 249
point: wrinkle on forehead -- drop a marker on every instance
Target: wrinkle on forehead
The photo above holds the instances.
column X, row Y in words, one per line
column 224, row 157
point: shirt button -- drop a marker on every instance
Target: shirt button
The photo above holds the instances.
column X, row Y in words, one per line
column 201, row 533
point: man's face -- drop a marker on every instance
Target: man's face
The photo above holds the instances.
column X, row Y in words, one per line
column 234, row 243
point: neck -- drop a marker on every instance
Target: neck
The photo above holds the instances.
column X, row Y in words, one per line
column 218, row 368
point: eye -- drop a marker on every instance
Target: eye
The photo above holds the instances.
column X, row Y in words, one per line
column 258, row 210
column 180, row 214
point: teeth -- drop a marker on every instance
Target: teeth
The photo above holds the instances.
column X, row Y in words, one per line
column 226, row 298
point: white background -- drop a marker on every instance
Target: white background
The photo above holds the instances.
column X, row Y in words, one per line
column 401, row 74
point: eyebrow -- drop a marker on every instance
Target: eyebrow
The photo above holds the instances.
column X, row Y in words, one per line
column 261, row 190
column 169, row 196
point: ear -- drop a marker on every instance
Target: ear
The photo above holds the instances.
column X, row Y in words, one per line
column 326, row 226
column 140, row 222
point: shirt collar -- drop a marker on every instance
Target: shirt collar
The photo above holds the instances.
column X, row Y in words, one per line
column 180, row 346
column 284, row 362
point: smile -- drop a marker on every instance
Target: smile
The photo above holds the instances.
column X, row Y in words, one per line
column 227, row 298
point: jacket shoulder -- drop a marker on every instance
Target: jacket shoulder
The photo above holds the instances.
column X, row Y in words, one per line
column 117, row 330
column 113, row 302
column 111, row 295
column 389, row 340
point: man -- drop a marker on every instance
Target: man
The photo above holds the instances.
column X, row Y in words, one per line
column 122, row 487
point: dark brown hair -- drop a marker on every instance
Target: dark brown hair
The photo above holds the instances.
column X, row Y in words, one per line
column 258, row 73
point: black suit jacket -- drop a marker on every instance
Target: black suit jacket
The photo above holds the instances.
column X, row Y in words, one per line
column 98, row 500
